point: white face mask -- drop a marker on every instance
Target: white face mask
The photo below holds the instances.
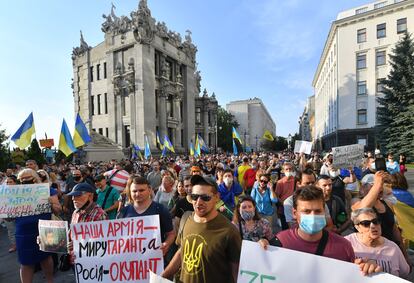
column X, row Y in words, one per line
column 391, row 198
column 290, row 174
column 334, row 174
column 228, row 182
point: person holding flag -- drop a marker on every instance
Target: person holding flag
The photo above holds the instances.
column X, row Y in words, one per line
column 23, row 136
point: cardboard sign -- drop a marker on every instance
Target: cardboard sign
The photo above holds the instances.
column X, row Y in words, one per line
column 348, row 156
column 281, row 265
column 303, row 146
column 119, row 250
column 47, row 143
column 24, row 200
column 53, row 236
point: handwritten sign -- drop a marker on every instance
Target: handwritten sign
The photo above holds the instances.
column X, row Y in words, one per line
column 117, row 250
column 53, row 236
column 285, row 266
column 24, row 200
column 348, row 156
column 154, row 278
column 303, row 146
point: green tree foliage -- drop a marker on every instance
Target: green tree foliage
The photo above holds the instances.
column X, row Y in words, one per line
column 278, row 144
column 4, row 150
column 395, row 114
column 225, row 122
column 34, row 152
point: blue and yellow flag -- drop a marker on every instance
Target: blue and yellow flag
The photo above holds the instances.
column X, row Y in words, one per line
column 147, row 150
column 168, row 144
column 202, row 143
column 136, row 152
column 80, row 136
column 23, row 136
column 65, row 141
column 159, row 141
column 236, row 135
column 197, row 151
column 235, row 151
column 191, row 149
column 267, row 135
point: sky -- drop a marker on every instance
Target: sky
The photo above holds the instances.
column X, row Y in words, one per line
column 268, row 49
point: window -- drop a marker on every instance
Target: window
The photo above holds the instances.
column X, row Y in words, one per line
column 362, row 116
column 402, row 25
column 98, row 72
column 100, row 130
column 361, row 61
column 181, row 110
column 362, row 140
column 380, row 58
column 361, row 10
column 381, row 30
column 198, row 115
column 123, row 104
column 99, row 104
column 362, row 35
column 380, row 85
column 380, row 5
column 107, row 132
column 182, row 138
column 104, row 70
column 106, row 102
column 362, row 88
column 156, row 103
column 92, row 105
column 91, row 73
column 157, row 63
column 171, row 135
column 170, row 107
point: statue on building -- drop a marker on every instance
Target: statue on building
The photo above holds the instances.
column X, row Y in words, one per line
column 83, row 47
column 143, row 24
column 198, row 81
column 162, row 30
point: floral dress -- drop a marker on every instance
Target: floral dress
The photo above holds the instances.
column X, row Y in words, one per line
column 260, row 230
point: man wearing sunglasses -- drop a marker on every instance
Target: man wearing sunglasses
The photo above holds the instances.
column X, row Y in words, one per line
column 209, row 243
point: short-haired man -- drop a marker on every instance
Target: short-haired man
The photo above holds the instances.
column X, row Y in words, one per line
column 242, row 169
column 32, row 164
column 310, row 236
column 284, row 189
column 107, row 196
column 154, row 177
column 209, row 243
column 228, row 190
column 183, row 204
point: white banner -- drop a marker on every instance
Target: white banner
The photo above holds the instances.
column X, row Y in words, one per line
column 117, row 250
column 24, row 200
column 154, row 278
column 286, row 266
column 303, row 146
column 348, row 156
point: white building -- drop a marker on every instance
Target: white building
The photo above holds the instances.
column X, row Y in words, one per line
column 354, row 60
column 253, row 119
column 307, row 120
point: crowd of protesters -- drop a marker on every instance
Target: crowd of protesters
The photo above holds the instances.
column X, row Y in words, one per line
column 283, row 199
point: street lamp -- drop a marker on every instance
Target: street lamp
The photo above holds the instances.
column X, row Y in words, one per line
column 289, row 139
column 245, row 133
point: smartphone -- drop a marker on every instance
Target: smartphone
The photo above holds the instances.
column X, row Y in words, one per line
column 380, row 164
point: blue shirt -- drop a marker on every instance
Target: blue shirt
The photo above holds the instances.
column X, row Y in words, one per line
column 227, row 195
column 264, row 203
column 393, row 167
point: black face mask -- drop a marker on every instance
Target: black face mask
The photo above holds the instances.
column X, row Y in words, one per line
column 77, row 178
column 26, row 182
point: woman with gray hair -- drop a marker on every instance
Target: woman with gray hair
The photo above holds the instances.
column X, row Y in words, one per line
column 368, row 243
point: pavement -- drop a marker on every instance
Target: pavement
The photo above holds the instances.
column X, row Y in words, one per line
column 9, row 267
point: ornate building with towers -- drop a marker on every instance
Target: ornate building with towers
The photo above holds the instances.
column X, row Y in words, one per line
column 141, row 79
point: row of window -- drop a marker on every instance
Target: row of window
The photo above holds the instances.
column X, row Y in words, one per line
column 98, row 103
column 98, row 72
column 382, row 30
column 362, row 87
column 100, row 131
column 380, row 59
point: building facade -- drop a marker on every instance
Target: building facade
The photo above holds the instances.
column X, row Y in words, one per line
column 307, row 120
column 347, row 81
column 253, row 119
column 141, row 79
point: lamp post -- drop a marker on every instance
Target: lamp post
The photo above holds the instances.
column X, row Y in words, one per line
column 289, row 139
column 245, row 134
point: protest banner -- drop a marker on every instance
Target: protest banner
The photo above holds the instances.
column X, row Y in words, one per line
column 303, row 146
column 281, row 265
column 154, row 278
column 53, row 236
column 348, row 155
column 24, row 200
column 117, row 250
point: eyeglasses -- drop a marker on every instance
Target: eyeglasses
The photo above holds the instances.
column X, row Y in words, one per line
column 367, row 223
column 264, row 181
column 203, row 197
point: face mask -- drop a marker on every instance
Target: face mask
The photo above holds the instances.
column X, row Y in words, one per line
column 391, row 198
column 77, row 178
column 26, row 182
column 228, row 182
column 334, row 174
column 290, row 174
column 312, row 224
column 372, row 167
column 247, row 215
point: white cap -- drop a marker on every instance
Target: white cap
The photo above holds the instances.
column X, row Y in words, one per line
column 377, row 151
column 368, row 179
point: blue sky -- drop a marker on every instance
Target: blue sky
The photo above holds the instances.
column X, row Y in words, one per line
column 246, row 48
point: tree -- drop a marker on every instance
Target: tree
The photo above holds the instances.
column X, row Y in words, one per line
column 395, row 129
column 34, row 152
column 225, row 123
column 278, row 144
column 4, row 150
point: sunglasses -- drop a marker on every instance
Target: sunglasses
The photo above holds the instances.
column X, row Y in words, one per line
column 367, row 223
column 203, row 197
column 264, row 181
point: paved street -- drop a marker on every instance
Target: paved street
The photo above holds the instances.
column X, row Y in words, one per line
column 9, row 269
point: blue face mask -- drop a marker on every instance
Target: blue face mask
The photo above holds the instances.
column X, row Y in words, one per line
column 311, row 223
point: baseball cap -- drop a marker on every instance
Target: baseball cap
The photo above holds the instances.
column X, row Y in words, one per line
column 200, row 180
column 368, row 179
column 80, row 189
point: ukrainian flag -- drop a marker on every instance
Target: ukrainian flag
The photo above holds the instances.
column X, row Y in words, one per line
column 23, row 136
column 236, row 135
column 235, row 151
column 136, row 152
column 197, row 151
column 65, row 141
column 80, row 136
column 159, row 141
column 191, row 149
column 268, row 136
column 147, row 150
column 168, row 144
column 202, row 144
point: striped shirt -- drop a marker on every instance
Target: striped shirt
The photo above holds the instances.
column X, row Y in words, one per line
column 119, row 180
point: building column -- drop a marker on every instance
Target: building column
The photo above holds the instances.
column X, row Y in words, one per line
column 162, row 114
column 119, row 128
column 205, row 124
column 177, row 116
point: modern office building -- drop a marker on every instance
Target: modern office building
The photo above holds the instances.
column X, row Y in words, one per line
column 307, row 121
column 142, row 79
column 347, row 81
column 253, row 119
